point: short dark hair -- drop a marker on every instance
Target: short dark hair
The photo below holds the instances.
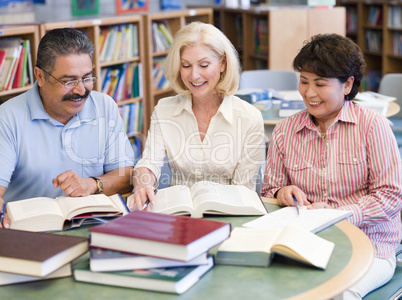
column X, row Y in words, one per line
column 62, row 42
column 332, row 56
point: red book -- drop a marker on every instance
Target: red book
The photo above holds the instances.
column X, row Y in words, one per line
column 2, row 58
column 18, row 72
column 173, row 237
column 36, row 253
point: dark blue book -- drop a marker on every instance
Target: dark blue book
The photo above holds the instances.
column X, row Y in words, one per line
column 291, row 107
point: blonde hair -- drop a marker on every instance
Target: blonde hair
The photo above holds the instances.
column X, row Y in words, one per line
column 198, row 33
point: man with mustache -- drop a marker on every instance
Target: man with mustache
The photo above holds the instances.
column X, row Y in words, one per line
column 60, row 137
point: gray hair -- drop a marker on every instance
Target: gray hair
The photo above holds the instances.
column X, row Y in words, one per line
column 62, row 42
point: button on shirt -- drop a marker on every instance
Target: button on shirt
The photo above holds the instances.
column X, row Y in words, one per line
column 34, row 148
column 357, row 168
column 231, row 152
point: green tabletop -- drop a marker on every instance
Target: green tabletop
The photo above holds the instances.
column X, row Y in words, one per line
column 284, row 278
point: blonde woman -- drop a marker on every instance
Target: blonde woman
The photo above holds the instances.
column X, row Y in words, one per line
column 206, row 132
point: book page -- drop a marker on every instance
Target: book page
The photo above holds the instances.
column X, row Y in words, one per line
column 119, row 203
column 311, row 219
column 209, row 197
column 34, row 207
column 250, row 240
column 310, row 248
column 174, row 200
column 73, row 206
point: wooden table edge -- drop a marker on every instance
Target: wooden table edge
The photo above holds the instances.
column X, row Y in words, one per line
column 359, row 263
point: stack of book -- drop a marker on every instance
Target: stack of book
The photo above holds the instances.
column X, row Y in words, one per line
column 284, row 232
column 31, row 256
column 374, row 101
column 15, row 63
column 260, row 98
column 151, row 251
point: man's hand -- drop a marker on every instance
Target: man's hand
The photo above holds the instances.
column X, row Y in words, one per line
column 74, row 185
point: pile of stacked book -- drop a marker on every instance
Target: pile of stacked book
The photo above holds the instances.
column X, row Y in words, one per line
column 151, row 251
column 31, row 256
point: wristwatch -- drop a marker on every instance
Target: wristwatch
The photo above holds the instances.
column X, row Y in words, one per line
column 99, row 184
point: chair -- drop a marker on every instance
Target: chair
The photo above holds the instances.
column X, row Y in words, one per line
column 392, row 290
column 166, row 174
column 391, row 85
column 279, row 80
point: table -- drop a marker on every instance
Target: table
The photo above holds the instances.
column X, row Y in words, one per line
column 271, row 116
column 285, row 278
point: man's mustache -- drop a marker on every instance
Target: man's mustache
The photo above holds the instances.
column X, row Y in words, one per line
column 74, row 97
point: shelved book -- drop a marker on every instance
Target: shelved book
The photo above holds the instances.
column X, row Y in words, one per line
column 257, row 247
column 103, row 260
column 48, row 214
column 206, row 197
column 313, row 220
column 12, row 47
column 164, row 236
column 37, row 253
column 172, row 280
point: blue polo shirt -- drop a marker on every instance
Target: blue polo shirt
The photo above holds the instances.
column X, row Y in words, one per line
column 34, row 148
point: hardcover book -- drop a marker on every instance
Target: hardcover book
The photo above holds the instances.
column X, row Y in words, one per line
column 11, row 278
column 172, row 280
column 103, row 260
column 47, row 214
column 256, row 247
column 208, row 198
column 37, row 253
column 291, row 107
column 313, row 220
column 153, row 234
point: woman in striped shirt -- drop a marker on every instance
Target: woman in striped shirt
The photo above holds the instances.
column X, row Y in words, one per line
column 337, row 154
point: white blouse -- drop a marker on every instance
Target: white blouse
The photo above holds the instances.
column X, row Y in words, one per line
column 232, row 151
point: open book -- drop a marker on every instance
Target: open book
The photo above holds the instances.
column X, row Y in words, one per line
column 47, row 214
column 208, row 198
column 257, row 246
column 313, row 220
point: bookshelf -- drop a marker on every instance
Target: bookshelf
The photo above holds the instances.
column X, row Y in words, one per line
column 172, row 20
column 269, row 37
column 119, row 51
column 25, row 32
column 379, row 35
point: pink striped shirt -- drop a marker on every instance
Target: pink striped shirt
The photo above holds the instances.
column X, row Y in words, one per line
column 358, row 168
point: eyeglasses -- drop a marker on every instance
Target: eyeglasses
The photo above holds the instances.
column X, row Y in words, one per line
column 89, row 81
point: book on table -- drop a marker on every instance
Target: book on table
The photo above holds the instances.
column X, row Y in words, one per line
column 12, row 278
column 165, row 236
column 313, row 220
column 254, row 95
column 172, row 280
column 374, row 101
column 291, row 107
column 103, row 260
column 257, row 246
column 206, row 197
column 48, row 214
column 38, row 253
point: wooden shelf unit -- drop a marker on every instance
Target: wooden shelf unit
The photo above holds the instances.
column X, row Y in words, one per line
column 92, row 27
column 29, row 32
column 376, row 36
column 174, row 20
column 282, row 31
